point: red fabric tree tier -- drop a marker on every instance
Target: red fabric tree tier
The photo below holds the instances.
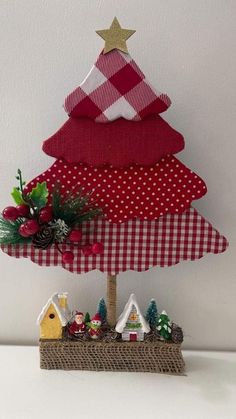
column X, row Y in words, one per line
column 117, row 145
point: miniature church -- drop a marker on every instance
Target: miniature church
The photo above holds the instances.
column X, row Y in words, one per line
column 131, row 323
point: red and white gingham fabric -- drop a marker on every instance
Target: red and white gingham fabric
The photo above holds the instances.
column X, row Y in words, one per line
column 134, row 245
column 135, row 192
column 114, row 88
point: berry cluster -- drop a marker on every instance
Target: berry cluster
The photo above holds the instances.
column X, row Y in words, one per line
column 40, row 223
column 32, row 226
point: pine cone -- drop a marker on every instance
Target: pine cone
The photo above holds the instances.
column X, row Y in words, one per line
column 44, row 238
column 176, row 333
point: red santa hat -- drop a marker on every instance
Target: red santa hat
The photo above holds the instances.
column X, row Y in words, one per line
column 79, row 313
column 97, row 317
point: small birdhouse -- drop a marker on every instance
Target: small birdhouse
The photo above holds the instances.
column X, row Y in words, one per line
column 54, row 317
column 131, row 323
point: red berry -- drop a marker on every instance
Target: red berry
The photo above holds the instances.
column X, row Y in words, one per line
column 87, row 250
column 22, row 231
column 67, row 257
column 45, row 215
column 75, row 236
column 31, row 227
column 10, row 214
column 98, row 248
column 23, row 210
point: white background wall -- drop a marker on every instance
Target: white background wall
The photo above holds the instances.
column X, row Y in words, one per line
column 187, row 49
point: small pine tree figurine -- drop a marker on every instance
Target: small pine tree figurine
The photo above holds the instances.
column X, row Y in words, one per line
column 87, row 318
column 152, row 314
column 164, row 326
column 102, row 309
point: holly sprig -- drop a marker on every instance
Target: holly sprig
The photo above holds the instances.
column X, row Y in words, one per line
column 36, row 199
column 35, row 221
column 9, row 233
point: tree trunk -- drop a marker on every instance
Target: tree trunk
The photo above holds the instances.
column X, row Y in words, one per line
column 111, row 300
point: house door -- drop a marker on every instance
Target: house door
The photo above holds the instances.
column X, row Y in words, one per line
column 133, row 336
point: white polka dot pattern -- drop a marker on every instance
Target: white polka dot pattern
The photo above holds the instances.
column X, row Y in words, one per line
column 140, row 192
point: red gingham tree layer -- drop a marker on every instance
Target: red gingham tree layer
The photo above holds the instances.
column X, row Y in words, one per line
column 134, row 245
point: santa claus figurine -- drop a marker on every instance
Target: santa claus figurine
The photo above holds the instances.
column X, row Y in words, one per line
column 95, row 326
column 78, row 327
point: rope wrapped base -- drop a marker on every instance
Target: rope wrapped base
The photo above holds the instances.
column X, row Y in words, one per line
column 158, row 357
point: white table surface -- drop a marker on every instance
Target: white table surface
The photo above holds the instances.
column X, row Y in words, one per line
column 26, row 392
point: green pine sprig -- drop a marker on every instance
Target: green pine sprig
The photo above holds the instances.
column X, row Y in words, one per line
column 9, row 232
column 75, row 208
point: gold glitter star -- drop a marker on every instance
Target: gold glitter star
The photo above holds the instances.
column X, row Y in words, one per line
column 115, row 37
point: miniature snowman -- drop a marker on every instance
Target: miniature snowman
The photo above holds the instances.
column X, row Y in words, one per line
column 78, row 327
column 95, row 326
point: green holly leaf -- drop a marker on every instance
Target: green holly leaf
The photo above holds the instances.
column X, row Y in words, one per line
column 17, row 196
column 39, row 195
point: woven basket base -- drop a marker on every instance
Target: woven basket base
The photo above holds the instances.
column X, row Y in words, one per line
column 112, row 356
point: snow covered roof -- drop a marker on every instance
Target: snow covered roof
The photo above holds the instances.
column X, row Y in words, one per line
column 122, row 320
column 64, row 314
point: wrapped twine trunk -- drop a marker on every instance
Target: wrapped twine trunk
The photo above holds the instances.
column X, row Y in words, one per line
column 111, row 300
column 112, row 356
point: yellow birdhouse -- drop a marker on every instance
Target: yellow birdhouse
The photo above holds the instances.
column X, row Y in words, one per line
column 54, row 317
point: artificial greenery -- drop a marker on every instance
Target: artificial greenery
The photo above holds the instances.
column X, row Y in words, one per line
column 18, row 191
column 68, row 212
column 102, row 309
column 39, row 195
column 74, row 209
column 9, row 232
column 17, row 196
column 36, row 199
column 164, row 326
column 87, row 318
column 152, row 314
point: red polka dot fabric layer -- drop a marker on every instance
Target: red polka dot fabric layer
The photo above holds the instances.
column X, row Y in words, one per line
column 140, row 192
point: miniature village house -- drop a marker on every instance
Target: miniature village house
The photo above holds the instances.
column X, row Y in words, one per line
column 54, row 317
column 131, row 323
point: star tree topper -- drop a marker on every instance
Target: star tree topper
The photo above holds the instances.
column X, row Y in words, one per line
column 115, row 37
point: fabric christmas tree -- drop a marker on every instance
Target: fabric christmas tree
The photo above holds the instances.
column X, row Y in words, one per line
column 116, row 143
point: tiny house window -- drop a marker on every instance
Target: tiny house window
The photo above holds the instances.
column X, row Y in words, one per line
column 51, row 316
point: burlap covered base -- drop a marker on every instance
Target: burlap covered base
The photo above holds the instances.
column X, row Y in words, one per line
column 112, row 356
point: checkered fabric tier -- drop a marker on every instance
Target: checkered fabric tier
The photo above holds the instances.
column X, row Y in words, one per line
column 114, row 88
column 134, row 245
